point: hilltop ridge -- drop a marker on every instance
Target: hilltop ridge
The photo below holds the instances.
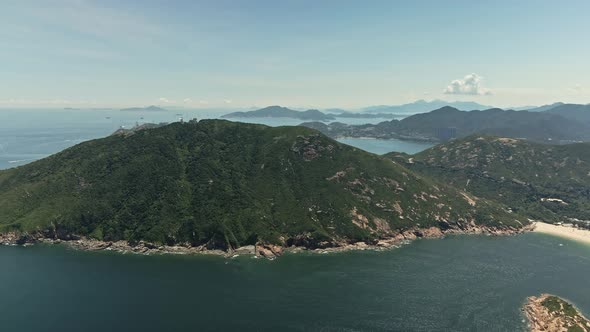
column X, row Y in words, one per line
column 544, row 182
column 216, row 184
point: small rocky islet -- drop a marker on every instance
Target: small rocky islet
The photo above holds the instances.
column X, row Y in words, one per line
column 549, row 313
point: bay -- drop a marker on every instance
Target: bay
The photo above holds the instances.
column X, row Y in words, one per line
column 460, row 283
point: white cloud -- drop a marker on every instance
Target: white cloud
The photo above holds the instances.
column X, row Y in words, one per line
column 165, row 100
column 203, row 102
column 469, row 85
column 228, row 101
column 187, row 100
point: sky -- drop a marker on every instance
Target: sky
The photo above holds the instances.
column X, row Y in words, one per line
column 316, row 54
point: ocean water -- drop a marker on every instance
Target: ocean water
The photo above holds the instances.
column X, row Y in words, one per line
column 460, row 283
column 30, row 134
column 382, row 146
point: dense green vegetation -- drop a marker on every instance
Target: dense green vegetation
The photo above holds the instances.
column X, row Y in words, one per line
column 544, row 182
column 228, row 184
column 573, row 320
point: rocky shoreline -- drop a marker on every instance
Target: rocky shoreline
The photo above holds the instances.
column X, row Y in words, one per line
column 550, row 313
column 265, row 250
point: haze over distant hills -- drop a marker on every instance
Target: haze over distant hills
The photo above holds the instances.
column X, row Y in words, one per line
column 538, row 108
column 151, row 108
column 281, row 112
column 562, row 124
column 573, row 112
column 421, row 106
column 313, row 114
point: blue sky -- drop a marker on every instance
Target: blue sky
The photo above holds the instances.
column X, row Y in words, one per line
column 296, row 53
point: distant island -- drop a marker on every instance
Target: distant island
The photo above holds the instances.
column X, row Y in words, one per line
column 549, row 313
column 563, row 124
column 151, row 108
column 309, row 115
column 473, row 118
column 282, row 112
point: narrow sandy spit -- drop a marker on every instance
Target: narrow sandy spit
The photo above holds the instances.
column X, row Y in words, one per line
column 572, row 233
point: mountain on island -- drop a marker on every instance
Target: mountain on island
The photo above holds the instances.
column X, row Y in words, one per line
column 282, row 112
column 221, row 185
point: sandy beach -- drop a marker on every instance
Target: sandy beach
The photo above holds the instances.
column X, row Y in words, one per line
column 571, row 233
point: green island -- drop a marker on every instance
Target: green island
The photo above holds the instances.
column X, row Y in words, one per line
column 220, row 185
column 551, row 313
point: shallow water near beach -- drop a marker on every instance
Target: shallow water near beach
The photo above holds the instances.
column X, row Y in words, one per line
column 460, row 283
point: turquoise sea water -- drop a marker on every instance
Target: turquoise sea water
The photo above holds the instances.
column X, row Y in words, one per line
column 461, row 283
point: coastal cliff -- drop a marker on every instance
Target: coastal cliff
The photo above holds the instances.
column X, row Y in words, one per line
column 265, row 250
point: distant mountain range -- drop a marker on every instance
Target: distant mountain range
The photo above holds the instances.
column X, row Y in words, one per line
column 575, row 112
column 566, row 123
column 313, row 114
column 571, row 111
column 422, row 106
column 151, row 108
column 539, row 108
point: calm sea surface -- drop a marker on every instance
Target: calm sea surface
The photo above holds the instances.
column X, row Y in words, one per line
column 30, row 134
column 461, row 283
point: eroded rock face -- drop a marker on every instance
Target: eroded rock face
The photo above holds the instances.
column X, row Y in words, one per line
column 311, row 147
column 432, row 232
column 268, row 250
column 246, row 250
